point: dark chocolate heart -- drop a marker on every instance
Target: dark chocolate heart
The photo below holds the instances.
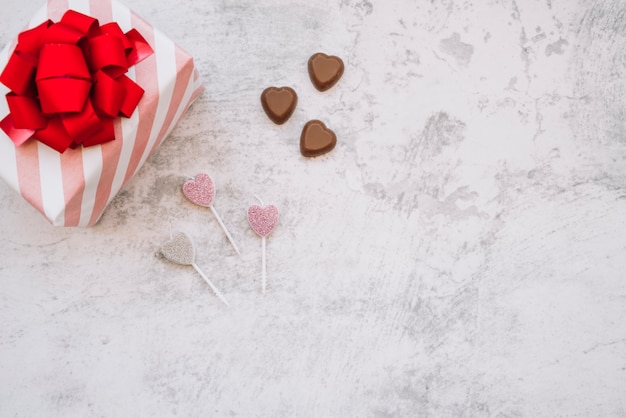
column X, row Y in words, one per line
column 279, row 103
column 316, row 139
column 325, row 70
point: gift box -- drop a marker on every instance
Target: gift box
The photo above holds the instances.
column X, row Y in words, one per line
column 71, row 139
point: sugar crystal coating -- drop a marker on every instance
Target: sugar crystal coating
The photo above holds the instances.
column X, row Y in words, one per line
column 179, row 249
column 263, row 219
column 200, row 190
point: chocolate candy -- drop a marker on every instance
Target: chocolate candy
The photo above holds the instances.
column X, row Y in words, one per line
column 316, row 139
column 279, row 103
column 325, row 70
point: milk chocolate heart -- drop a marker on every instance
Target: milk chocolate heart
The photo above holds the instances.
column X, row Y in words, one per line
column 279, row 103
column 325, row 70
column 316, row 139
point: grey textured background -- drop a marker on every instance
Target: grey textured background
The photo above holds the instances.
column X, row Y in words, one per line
column 462, row 252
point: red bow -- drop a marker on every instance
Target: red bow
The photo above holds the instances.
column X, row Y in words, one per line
column 67, row 81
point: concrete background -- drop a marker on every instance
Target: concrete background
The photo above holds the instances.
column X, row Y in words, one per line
column 460, row 253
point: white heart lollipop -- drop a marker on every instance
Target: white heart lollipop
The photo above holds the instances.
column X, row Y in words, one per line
column 180, row 249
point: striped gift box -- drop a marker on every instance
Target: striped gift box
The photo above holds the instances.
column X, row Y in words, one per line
column 74, row 188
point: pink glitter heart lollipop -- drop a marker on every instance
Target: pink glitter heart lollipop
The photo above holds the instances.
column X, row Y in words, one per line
column 201, row 191
column 263, row 220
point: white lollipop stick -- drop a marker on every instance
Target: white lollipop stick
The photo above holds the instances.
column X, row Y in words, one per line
column 263, row 220
column 263, row 268
column 219, row 221
column 263, row 259
column 211, row 285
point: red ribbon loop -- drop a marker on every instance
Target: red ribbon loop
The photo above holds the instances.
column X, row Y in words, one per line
column 67, row 81
column 30, row 41
column 81, row 125
column 26, row 112
column 54, row 135
column 19, row 74
column 107, row 54
column 140, row 48
column 62, row 34
column 113, row 29
column 134, row 93
column 109, row 94
column 86, row 25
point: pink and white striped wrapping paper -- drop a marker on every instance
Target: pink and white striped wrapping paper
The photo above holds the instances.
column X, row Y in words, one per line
column 74, row 188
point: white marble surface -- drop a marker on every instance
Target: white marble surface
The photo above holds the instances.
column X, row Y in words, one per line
column 462, row 252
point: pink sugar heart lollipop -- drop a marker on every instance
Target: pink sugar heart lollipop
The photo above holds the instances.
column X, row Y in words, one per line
column 180, row 249
column 263, row 220
column 201, row 191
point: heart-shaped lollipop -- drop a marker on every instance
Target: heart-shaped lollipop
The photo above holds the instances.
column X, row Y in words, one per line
column 180, row 249
column 263, row 220
column 201, row 191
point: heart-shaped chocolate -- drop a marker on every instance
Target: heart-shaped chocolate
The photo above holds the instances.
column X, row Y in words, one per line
column 179, row 249
column 279, row 103
column 200, row 190
column 316, row 139
column 263, row 219
column 325, row 70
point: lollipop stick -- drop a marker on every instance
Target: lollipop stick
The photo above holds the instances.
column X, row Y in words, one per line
column 211, row 285
column 219, row 220
column 264, row 270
